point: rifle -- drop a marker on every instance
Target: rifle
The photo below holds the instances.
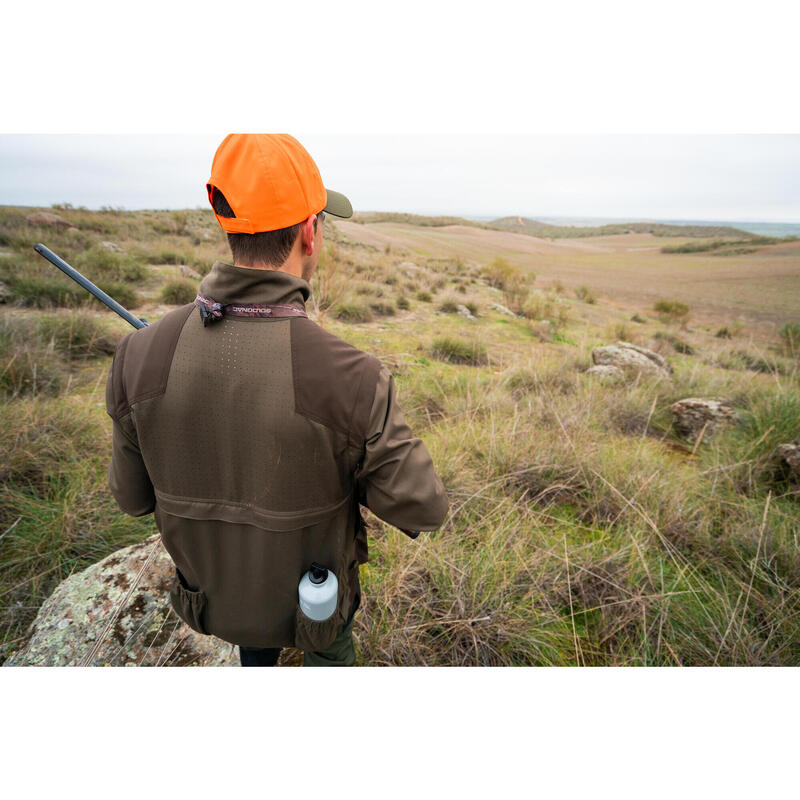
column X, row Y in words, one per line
column 89, row 286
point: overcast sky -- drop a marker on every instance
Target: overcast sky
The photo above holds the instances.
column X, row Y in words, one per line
column 710, row 177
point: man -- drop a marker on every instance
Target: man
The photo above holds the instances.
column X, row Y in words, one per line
column 253, row 434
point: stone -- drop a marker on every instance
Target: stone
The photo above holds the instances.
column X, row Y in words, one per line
column 147, row 632
column 694, row 415
column 463, row 311
column 188, row 272
column 503, row 309
column 605, row 371
column 790, row 453
column 630, row 358
column 73, row 230
column 46, row 218
column 112, row 246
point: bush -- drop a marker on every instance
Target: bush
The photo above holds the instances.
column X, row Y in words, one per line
column 78, row 336
column 425, row 297
column 638, row 318
column 724, row 333
column 26, row 366
column 402, row 303
column 459, row 351
column 40, row 292
column 383, row 308
column 121, row 292
column 585, row 294
column 179, row 292
column 790, row 334
column 99, row 263
column 352, row 311
column 448, row 306
column 501, row 274
column 672, row 310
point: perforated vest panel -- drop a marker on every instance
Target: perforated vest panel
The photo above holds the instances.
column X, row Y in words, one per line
column 226, row 430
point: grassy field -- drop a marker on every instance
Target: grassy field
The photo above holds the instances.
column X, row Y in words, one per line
column 583, row 529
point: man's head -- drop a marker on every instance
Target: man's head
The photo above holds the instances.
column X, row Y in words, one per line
column 268, row 195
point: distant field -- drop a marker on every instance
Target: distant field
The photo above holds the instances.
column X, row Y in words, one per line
column 761, row 288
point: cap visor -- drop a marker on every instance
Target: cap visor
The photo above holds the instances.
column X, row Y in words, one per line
column 338, row 205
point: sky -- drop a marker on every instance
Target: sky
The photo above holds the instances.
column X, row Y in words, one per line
column 701, row 177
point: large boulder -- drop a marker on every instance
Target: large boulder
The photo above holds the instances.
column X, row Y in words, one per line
column 117, row 613
column 46, row 218
column 696, row 414
column 630, row 359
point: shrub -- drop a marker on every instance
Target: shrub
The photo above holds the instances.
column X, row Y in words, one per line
column 585, row 294
column 425, row 297
column 724, row 333
column 40, row 292
column 329, row 281
column 790, row 334
column 459, row 351
column 383, row 308
column 26, row 366
column 672, row 310
column 121, row 292
column 351, row 311
column 472, row 307
column 402, row 303
column 448, row 306
column 78, row 336
column 99, row 263
column 500, row 273
column 638, row 318
column 179, row 292
column 462, row 289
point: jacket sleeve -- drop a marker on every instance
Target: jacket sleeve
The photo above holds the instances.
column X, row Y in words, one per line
column 127, row 475
column 395, row 478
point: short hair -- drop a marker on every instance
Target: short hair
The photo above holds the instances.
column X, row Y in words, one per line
column 268, row 247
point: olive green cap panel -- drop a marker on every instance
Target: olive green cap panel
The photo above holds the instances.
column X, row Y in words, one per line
column 338, row 205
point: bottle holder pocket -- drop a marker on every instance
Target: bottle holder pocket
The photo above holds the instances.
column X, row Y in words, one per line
column 189, row 605
column 311, row 635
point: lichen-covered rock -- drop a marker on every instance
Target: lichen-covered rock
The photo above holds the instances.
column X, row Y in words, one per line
column 463, row 311
column 606, row 371
column 696, row 414
column 188, row 272
column 630, row 358
column 790, row 453
column 46, row 218
column 81, row 616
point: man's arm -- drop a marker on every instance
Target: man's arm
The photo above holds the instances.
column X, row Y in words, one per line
column 396, row 479
column 127, row 475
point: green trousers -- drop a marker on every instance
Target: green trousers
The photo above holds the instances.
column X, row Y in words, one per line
column 342, row 653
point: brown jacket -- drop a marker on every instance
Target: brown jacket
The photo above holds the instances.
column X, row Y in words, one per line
column 253, row 440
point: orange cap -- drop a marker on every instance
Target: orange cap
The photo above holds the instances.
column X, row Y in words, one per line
column 270, row 181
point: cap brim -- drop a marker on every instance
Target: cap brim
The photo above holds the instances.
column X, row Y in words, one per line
column 338, row 205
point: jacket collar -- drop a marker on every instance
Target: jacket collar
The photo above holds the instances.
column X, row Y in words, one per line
column 227, row 283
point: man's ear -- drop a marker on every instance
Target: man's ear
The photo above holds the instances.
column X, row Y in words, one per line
column 308, row 235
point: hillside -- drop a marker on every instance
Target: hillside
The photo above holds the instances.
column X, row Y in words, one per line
column 586, row 526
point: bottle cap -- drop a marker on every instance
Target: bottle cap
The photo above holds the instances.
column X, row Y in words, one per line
column 317, row 573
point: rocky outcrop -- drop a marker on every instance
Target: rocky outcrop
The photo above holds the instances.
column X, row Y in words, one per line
column 606, row 371
column 630, row 359
column 46, row 218
column 696, row 415
column 112, row 247
column 790, row 455
column 117, row 613
column 463, row 311
column 188, row 272
column 503, row 310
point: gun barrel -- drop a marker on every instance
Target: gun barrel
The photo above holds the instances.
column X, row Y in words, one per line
column 89, row 286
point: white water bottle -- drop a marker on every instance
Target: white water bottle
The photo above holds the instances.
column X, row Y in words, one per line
column 319, row 591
